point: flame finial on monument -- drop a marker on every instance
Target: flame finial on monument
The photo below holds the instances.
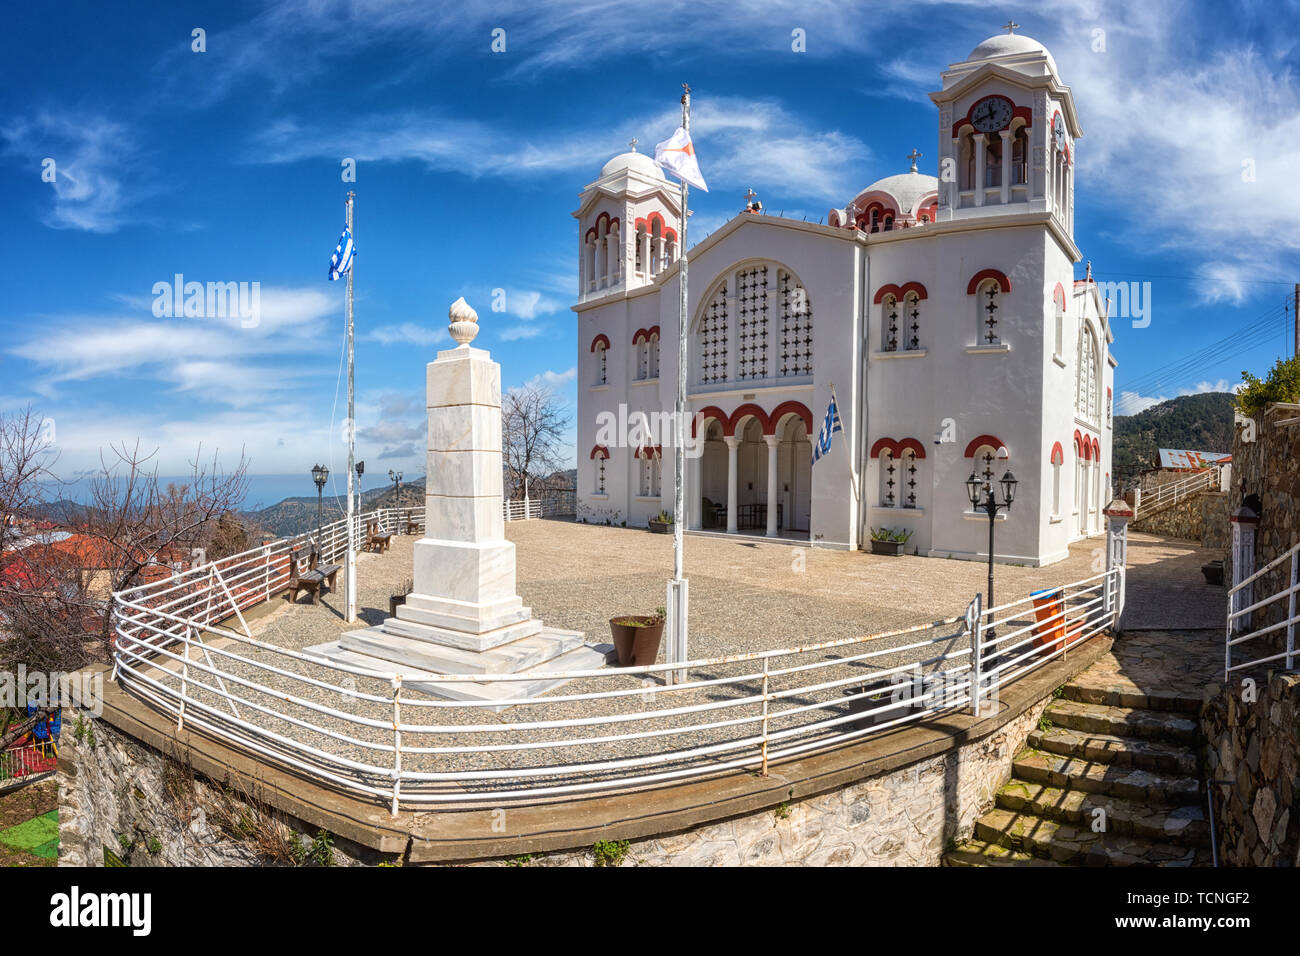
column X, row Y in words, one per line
column 464, row 322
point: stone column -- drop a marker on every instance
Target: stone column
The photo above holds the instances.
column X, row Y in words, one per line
column 733, row 448
column 977, row 143
column 1118, row 515
column 772, row 443
column 1243, row 564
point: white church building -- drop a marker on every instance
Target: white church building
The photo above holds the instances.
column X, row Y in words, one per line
column 944, row 312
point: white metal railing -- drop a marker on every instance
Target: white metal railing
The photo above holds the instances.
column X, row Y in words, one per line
column 28, row 760
column 1170, row 493
column 365, row 732
column 520, row 509
column 1239, row 617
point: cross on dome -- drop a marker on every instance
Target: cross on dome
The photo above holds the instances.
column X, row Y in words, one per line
column 914, row 155
column 632, row 143
column 1011, row 26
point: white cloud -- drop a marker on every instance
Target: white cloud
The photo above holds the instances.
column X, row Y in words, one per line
column 1130, row 403
column 407, row 333
column 514, row 333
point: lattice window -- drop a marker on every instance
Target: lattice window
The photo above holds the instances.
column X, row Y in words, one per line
column 796, row 327
column 1086, row 401
column 889, row 483
column 751, row 323
column 602, row 363
column 647, row 476
column 889, row 323
column 990, row 300
column 652, row 348
column 912, row 318
column 600, row 475
column 910, row 471
column 713, row 339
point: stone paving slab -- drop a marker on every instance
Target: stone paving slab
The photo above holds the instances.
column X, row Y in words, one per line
column 1157, row 669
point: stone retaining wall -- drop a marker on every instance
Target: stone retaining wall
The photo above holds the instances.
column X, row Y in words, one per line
column 1183, row 520
column 908, row 817
column 1216, row 529
column 1254, row 745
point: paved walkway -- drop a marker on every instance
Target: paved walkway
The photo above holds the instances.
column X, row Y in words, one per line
column 1166, row 588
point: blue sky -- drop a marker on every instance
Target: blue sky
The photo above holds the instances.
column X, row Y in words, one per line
column 225, row 166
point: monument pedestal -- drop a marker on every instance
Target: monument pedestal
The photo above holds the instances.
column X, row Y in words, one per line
column 464, row 615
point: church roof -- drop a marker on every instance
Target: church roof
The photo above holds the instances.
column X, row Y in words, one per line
column 1010, row 44
column 639, row 162
column 908, row 189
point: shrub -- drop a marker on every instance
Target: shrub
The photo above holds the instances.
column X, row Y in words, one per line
column 1282, row 385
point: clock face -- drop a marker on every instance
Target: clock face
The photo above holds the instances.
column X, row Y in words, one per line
column 1058, row 131
column 990, row 114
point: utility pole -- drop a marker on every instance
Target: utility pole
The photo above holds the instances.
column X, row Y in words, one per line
column 1295, row 320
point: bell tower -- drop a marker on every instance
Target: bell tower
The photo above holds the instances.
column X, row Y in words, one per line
column 1007, row 129
column 628, row 226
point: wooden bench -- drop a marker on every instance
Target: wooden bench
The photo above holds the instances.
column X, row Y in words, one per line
column 412, row 523
column 315, row 579
column 376, row 540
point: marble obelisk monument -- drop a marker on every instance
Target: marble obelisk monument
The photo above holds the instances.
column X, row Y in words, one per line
column 463, row 615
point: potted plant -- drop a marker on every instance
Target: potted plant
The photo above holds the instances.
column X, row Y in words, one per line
column 888, row 540
column 396, row 599
column 662, row 523
column 637, row 637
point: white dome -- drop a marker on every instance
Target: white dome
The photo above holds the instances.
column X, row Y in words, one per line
column 908, row 189
column 640, row 162
column 1009, row 44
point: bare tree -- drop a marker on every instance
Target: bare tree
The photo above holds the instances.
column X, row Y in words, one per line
column 533, row 425
column 26, row 455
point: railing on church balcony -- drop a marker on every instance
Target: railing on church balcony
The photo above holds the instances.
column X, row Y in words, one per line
column 1273, row 642
column 384, row 737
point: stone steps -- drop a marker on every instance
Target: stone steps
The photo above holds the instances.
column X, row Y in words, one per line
column 1078, row 844
column 1122, row 721
column 1185, row 825
column 1127, row 783
column 1103, row 689
column 1116, row 751
column 983, row 853
column 524, row 654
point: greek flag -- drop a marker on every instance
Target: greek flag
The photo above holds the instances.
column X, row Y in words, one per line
column 341, row 261
column 829, row 427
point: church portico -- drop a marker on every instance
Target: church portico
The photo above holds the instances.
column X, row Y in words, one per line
column 754, row 471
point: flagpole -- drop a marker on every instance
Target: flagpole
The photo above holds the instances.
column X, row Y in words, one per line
column 350, row 571
column 677, row 606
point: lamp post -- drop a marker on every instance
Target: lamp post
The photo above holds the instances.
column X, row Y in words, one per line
column 396, row 479
column 320, row 474
column 978, row 487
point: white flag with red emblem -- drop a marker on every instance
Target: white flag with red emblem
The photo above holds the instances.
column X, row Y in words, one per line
column 677, row 155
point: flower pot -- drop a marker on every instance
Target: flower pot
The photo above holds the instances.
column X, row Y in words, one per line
column 1213, row 572
column 637, row 638
column 661, row 527
column 887, row 547
column 862, row 704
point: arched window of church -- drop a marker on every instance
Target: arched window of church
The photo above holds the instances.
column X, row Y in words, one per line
column 1087, row 402
column 751, row 323
column 889, row 475
column 602, row 363
column 993, row 161
column 642, row 359
column 875, row 220
column 598, row 471
column 656, row 248
column 652, row 348
column 1059, row 341
column 647, row 473
column 890, row 317
column 967, row 157
column 1056, row 487
column 713, row 338
column 889, row 222
column 670, row 250
column 910, row 474
column 796, row 341
column 912, row 318
column 989, row 297
column 1020, row 157
column 640, row 248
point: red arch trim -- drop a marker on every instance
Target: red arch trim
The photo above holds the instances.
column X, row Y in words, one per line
column 642, row 334
column 1096, row 450
column 1003, row 282
column 599, row 451
column 1017, row 112
column 601, row 339
column 1087, row 450
column 899, row 292
column 787, row 408
column 711, row 412
column 993, row 441
column 1057, row 456
column 1058, row 296
column 743, row 412
column 896, row 448
column 656, row 450
column 1078, row 442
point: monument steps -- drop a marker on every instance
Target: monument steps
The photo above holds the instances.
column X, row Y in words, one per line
column 380, row 642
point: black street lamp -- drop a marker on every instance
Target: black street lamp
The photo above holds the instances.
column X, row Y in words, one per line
column 320, row 474
column 396, row 479
column 978, row 487
column 361, row 470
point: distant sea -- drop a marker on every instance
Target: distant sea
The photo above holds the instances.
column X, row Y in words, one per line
column 263, row 490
